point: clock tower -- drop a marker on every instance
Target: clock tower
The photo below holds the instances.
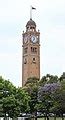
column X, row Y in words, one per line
column 31, row 52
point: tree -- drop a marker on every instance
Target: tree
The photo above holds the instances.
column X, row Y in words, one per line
column 7, row 94
column 32, row 88
column 48, row 79
column 11, row 106
column 59, row 100
column 13, row 100
column 1, row 96
column 44, row 101
column 24, row 99
column 48, row 85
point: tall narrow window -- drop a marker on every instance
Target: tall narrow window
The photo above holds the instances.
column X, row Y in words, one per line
column 33, row 49
column 34, row 61
column 25, row 50
column 25, row 61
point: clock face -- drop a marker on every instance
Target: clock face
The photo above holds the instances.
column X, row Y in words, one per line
column 25, row 39
column 34, row 39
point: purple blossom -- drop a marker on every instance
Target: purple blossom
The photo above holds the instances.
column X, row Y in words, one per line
column 51, row 87
column 48, row 88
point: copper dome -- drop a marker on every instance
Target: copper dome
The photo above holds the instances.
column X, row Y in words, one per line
column 31, row 23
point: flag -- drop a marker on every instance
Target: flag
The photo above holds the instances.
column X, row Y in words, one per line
column 33, row 8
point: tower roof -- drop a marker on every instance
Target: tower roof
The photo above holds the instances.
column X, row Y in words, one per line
column 31, row 23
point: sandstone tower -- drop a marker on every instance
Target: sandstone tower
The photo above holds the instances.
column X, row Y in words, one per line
column 31, row 52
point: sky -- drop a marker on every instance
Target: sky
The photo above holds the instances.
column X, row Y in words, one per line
column 50, row 20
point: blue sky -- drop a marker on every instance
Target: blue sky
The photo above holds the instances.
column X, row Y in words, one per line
column 50, row 19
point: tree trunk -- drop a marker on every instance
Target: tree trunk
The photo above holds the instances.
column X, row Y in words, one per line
column 44, row 118
column 5, row 118
column 14, row 118
column 54, row 117
column 32, row 118
column 62, row 118
column 47, row 118
column 35, row 118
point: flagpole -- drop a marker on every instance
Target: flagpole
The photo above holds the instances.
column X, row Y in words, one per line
column 30, row 12
column 31, row 8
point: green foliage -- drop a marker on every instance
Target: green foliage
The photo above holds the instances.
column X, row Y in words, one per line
column 32, row 88
column 11, row 106
column 36, row 95
column 13, row 100
column 59, row 100
column 48, row 79
column 23, row 99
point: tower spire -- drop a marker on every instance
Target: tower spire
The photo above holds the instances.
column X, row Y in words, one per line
column 31, row 8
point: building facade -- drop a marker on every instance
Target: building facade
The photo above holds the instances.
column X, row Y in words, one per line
column 31, row 52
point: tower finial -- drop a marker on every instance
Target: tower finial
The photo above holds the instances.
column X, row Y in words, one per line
column 31, row 8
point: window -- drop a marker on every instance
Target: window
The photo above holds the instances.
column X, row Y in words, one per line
column 33, row 49
column 32, row 28
column 33, row 60
column 25, row 50
column 25, row 61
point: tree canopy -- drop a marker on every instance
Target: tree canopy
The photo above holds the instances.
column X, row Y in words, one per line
column 46, row 96
column 14, row 101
